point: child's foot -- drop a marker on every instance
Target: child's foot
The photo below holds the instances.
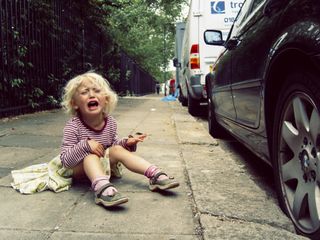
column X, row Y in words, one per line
column 109, row 200
column 163, row 183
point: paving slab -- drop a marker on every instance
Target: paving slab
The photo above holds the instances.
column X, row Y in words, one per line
column 27, row 124
column 41, row 211
column 11, row 155
column 23, row 234
column 222, row 229
column 124, row 236
column 30, row 141
column 227, row 190
column 192, row 132
column 137, row 217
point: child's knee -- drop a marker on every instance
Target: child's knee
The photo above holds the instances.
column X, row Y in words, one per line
column 116, row 149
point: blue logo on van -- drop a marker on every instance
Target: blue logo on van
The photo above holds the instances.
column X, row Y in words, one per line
column 218, row 7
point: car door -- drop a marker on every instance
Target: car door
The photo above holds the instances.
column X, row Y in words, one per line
column 253, row 36
column 222, row 92
column 246, row 59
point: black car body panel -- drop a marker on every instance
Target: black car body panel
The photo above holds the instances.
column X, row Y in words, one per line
column 265, row 91
column 239, row 89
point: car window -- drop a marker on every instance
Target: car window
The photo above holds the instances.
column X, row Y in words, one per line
column 243, row 13
column 255, row 4
column 246, row 12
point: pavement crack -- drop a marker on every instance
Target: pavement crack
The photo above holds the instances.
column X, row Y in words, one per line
column 195, row 211
column 5, row 133
column 200, row 144
column 222, row 217
column 5, row 186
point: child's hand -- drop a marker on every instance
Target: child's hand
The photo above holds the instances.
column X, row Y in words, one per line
column 133, row 140
column 96, row 148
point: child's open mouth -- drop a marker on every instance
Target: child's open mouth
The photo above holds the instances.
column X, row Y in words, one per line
column 93, row 105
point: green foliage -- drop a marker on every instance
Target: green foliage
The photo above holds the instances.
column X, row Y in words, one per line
column 113, row 73
column 52, row 101
column 16, row 82
column 87, row 33
column 145, row 29
column 34, row 96
column 128, row 75
column 22, row 51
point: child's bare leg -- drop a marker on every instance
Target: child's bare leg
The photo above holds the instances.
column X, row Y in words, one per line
column 93, row 167
column 158, row 179
column 78, row 172
column 105, row 193
column 131, row 161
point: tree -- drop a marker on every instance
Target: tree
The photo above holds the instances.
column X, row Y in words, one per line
column 144, row 29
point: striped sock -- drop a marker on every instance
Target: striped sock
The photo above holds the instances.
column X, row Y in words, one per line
column 153, row 170
column 98, row 182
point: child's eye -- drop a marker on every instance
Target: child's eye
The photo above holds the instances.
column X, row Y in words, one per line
column 97, row 90
column 84, row 92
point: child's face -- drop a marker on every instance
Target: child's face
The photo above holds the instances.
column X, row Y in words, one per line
column 89, row 98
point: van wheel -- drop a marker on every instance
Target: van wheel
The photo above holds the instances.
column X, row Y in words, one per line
column 183, row 99
column 296, row 152
column 193, row 106
column 184, row 102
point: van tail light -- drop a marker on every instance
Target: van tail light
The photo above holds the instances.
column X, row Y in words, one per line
column 194, row 56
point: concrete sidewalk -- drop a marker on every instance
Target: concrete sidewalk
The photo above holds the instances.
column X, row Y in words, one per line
column 36, row 138
column 201, row 208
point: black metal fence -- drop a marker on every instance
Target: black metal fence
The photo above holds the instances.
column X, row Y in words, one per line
column 134, row 80
column 29, row 57
column 45, row 43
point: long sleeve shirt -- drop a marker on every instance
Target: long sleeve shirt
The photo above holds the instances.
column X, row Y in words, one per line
column 76, row 134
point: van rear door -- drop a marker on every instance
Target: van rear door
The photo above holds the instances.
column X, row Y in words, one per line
column 215, row 15
column 207, row 20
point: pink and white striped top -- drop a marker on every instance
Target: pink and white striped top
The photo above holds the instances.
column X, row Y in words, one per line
column 76, row 133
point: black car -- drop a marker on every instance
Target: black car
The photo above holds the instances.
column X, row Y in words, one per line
column 265, row 91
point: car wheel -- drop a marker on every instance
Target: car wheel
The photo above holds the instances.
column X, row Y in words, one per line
column 184, row 102
column 183, row 99
column 215, row 129
column 193, row 106
column 296, row 152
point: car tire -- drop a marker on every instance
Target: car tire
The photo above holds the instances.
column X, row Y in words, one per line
column 296, row 151
column 183, row 99
column 184, row 102
column 215, row 128
column 193, row 106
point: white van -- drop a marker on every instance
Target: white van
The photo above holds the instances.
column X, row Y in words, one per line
column 197, row 56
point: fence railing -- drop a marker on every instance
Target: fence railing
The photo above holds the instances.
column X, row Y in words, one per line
column 45, row 43
column 134, row 80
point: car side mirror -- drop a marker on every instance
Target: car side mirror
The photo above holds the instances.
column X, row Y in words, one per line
column 176, row 63
column 213, row 37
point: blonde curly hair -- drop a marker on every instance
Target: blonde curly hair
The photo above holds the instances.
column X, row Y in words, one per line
column 72, row 86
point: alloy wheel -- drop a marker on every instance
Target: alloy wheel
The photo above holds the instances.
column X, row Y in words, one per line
column 298, row 158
